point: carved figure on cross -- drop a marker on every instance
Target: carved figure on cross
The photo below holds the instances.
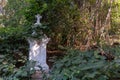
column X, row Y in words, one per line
column 39, row 17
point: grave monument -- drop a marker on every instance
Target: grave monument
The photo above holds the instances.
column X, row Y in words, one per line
column 37, row 47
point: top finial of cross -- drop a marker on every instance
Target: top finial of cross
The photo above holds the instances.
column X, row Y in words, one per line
column 39, row 17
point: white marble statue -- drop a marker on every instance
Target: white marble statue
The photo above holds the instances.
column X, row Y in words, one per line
column 37, row 50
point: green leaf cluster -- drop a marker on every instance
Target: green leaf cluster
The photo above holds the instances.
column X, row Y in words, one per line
column 13, row 50
column 88, row 65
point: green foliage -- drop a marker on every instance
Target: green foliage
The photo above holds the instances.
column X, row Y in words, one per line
column 59, row 15
column 14, row 13
column 13, row 49
column 23, row 73
column 14, row 52
column 115, row 16
column 73, row 22
column 35, row 7
column 12, row 39
column 70, row 23
column 89, row 65
column 7, row 32
column 36, row 31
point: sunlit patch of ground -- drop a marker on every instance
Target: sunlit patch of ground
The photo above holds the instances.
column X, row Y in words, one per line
column 114, row 39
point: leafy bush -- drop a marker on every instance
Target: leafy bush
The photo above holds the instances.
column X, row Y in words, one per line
column 86, row 66
column 14, row 13
column 13, row 49
column 14, row 53
column 12, row 39
column 60, row 15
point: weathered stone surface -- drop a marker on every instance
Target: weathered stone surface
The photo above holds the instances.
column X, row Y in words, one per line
column 37, row 53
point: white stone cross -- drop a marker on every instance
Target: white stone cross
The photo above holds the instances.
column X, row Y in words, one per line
column 39, row 17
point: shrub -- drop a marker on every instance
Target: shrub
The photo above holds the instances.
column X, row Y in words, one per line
column 86, row 66
column 13, row 49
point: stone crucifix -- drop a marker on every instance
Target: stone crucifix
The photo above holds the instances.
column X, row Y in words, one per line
column 38, row 19
column 37, row 50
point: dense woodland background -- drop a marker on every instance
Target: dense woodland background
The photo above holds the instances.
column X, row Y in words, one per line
column 85, row 32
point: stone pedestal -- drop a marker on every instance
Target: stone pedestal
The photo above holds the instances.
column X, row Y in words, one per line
column 37, row 53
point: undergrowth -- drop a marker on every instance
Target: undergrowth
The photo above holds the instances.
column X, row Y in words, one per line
column 87, row 65
column 75, row 65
